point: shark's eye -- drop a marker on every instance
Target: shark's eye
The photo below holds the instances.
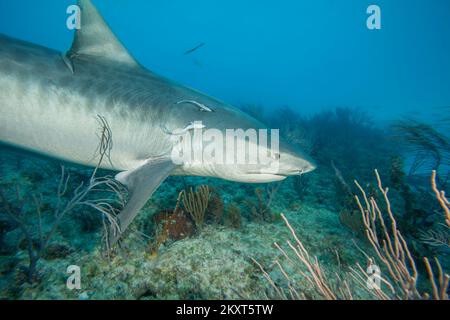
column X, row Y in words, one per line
column 276, row 156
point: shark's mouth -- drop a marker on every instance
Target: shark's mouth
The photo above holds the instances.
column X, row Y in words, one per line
column 260, row 177
column 267, row 175
column 284, row 174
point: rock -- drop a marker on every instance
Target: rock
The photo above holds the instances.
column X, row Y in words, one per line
column 56, row 251
column 176, row 225
column 83, row 296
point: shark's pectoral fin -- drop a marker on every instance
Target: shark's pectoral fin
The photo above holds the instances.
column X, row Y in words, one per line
column 141, row 183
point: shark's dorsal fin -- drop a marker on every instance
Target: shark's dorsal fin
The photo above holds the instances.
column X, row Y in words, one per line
column 95, row 38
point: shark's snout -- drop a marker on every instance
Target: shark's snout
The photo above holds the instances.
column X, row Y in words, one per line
column 309, row 166
column 299, row 171
column 294, row 163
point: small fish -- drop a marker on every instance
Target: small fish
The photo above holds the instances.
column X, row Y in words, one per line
column 201, row 106
column 192, row 126
column 195, row 48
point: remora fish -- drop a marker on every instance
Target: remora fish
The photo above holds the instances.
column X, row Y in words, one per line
column 49, row 104
column 194, row 48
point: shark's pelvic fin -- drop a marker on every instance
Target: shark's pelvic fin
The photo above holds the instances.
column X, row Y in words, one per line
column 95, row 38
column 141, row 183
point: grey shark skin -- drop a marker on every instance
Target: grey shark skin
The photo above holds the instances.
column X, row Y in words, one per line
column 49, row 104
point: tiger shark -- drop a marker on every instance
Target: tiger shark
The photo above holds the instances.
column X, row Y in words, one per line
column 49, row 103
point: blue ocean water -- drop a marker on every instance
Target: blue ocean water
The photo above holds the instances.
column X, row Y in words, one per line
column 353, row 98
column 309, row 55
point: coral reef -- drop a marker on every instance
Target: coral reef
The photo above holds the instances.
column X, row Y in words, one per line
column 233, row 218
column 215, row 208
column 260, row 211
column 196, row 203
column 387, row 243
